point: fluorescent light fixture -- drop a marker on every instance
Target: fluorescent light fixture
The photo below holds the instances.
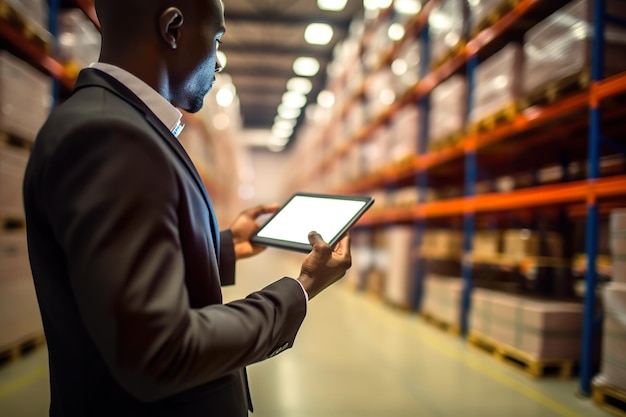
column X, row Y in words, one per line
column 306, row 66
column 288, row 112
column 318, row 34
column 326, row 99
column 300, row 85
column 395, row 32
column 332, row 5
column 376, row 4
column 221, row 56
column 410, row 7
column 294, row 100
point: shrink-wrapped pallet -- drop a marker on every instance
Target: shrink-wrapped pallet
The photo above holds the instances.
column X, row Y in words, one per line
column 442, row 298
column 33, row 14
column 561, row 45
column 406, row 67
column 613, row 367
column 379, row 94
column 442, row 243
column 539, row 328
column 486, row 243
column 19, row 312
column 498, row 82
column 404, row 136
column 376, row 150
column 446, row 28
column 482, row 10
column 12, row 167
column 399, row 246
column 447, row 112
column 25, row 97
column 617, row 230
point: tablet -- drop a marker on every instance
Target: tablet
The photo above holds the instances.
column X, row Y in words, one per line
column 329, row 215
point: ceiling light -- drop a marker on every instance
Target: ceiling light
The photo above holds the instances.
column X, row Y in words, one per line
column 306, row 66
column 326, row 99
column 288, row 112
column 294, row 100
column 409, row 7
column 332, row 5
column 395, row 32
column 225, row 96
column 221, row 57
column 300, row 85
column 376, row 4
column 318, row 34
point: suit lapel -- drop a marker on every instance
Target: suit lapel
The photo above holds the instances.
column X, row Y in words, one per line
column 92, row 77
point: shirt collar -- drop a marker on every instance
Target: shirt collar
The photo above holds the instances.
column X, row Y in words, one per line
column 166, row 113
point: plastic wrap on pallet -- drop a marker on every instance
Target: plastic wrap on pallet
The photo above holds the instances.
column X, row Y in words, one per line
column 447, row 111
column 617, row 230
column 542, row 329
column 481, row 9
column 446, row 28
column 379, row 94
column 613, row 366
column 12, row 167
column 79, row 40
column 19, row 312
column 25, row 97
column 404, row 128
column 498, row 82
column 399, row 246
column 375, row 151
column 486, row 243
column 560, row 46
column 442, row 298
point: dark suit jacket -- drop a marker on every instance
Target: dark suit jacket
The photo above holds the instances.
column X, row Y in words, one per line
column 128, row 262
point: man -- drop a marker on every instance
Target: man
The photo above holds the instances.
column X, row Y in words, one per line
column 124, row 246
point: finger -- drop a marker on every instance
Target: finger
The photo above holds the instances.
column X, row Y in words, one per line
column 255, row 212
column 343, row 246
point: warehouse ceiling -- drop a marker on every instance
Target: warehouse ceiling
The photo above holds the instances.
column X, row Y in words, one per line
column 264, row 38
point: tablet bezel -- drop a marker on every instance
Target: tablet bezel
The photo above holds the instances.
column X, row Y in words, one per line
column 302, row 247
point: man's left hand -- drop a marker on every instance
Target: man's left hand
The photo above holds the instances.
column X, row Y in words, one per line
column 245, row 226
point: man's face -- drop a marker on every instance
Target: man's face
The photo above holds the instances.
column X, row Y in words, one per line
column 197, row 62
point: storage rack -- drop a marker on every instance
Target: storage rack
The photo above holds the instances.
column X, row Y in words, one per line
column 583, row 197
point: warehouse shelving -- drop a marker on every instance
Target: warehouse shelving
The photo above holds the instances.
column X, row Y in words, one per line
column 580, row 116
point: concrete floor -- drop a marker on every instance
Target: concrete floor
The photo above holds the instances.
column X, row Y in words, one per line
column 355, row 357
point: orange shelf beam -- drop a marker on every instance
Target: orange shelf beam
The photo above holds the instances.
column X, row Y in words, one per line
column 584, row 191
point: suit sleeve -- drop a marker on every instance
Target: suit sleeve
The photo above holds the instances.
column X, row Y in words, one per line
column 112, row 199
column 227, row 258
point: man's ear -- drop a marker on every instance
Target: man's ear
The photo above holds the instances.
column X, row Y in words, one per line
column 170, row 22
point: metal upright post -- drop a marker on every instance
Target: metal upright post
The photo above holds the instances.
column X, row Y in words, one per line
column 421, row 178
column 53, row 28
column 590, row 326
column 469, row 219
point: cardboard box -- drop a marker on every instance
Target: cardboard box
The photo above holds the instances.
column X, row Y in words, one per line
column 13, row 162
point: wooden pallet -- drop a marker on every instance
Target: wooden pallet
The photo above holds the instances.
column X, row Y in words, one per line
column 610, row 398
column 20, row 348
column 535, row 367
column 554, row 90
column 445, row 142
column 441, row 324
column 504, row 115
column 495, row 15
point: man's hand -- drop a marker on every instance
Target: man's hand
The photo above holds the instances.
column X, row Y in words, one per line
column 324, row 266
column 245, row 226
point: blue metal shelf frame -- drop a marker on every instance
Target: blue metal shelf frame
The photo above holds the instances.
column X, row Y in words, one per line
column 53, row 28
column 421, row 178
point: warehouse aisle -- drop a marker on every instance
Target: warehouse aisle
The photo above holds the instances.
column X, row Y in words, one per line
column 354, row 357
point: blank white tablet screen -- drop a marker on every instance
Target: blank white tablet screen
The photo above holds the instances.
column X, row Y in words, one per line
column 304, row 214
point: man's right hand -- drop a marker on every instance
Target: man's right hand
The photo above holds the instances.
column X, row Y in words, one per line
column 324, row 265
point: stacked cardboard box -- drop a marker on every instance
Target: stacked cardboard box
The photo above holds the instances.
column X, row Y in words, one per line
column 403, row 141
column 442, row 298
column 498, row 82
column 12, row 166
column 399, row 250
column 522, row 243
column 542, row 329
column 25, row 97
column 79, row 40
column 560, row 46
column 447, row 112
column 446, row 28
